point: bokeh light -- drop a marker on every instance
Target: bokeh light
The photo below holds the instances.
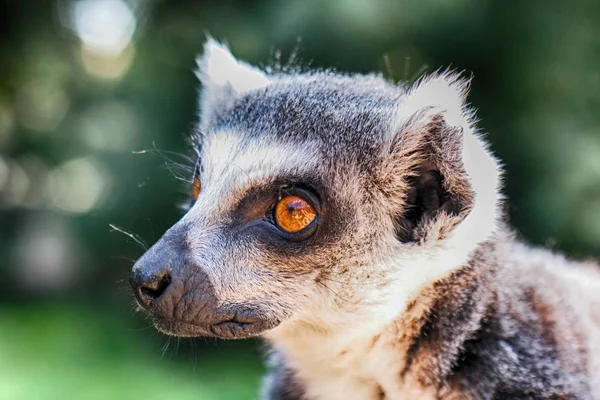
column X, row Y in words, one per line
column 16, row 184
column 104, row 26
column 109, row 126
column 76, row 186
column 105, row 29
column 107, row 66
column 6, row 122
column 53, row 264
column 41, row 105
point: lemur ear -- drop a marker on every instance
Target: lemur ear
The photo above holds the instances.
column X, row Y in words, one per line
column 223, row 77
column 441, row 172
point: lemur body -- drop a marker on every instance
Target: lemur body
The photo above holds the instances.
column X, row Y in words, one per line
column 402, row 281
column 477, row 334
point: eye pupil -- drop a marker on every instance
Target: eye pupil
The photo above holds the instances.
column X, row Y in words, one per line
column 293, row 213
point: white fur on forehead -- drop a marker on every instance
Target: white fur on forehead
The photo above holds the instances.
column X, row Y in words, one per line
column 218, row 68
column 231, row 164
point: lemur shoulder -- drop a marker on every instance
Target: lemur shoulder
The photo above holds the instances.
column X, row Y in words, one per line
column 357, row 225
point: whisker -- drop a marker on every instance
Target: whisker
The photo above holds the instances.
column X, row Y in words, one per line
column 131, row 260
column 363, row 284
column 388, row 66
column 143, row 329
column 196, row 139
column 165, row 347
column 134, row 306
column 335, row 293
column 419, row 72
column 179, row 171
column 162, row 153
column 186, row 167
column 294, row 54
column 241, row 169
column 151, row 229
column 194, row 354
column 131, row 235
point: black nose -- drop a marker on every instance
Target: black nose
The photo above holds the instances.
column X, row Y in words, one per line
column 149, row 288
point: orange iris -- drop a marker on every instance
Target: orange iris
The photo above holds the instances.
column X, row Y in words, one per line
column 196, row 188
column 293, row 213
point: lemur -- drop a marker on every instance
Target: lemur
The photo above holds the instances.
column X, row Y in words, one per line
column 357, row 226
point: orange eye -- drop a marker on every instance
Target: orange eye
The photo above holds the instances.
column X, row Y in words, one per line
column 196, row 188
column 293, row 213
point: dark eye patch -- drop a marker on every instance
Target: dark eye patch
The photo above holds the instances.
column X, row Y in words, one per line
column 252, row 219
column 259, row 203
column 256, row 204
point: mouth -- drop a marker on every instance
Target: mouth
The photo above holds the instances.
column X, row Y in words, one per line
column 234, row 328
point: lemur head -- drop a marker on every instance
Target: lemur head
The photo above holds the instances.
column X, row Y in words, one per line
column 321, row 200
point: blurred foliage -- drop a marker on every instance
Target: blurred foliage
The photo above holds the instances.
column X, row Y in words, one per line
column 65, row 351
column 86, row 84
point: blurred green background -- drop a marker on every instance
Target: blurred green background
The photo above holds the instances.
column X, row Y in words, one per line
column 85, row 85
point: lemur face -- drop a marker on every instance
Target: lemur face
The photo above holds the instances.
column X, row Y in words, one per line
column 319, row 199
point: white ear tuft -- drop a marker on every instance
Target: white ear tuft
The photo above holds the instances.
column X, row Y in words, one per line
column 445, row 92
column 218, row 68
column 444, row 95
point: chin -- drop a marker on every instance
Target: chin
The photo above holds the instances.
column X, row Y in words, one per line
column 231, row 329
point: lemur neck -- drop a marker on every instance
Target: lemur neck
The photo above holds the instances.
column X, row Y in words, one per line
column 446, row 314
column 433, row 327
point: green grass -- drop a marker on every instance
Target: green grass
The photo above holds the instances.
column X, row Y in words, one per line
column 59, row 352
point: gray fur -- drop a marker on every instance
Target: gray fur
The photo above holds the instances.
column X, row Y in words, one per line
column 409, row 286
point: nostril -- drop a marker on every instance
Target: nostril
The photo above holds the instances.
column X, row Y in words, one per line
column 155, row 288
